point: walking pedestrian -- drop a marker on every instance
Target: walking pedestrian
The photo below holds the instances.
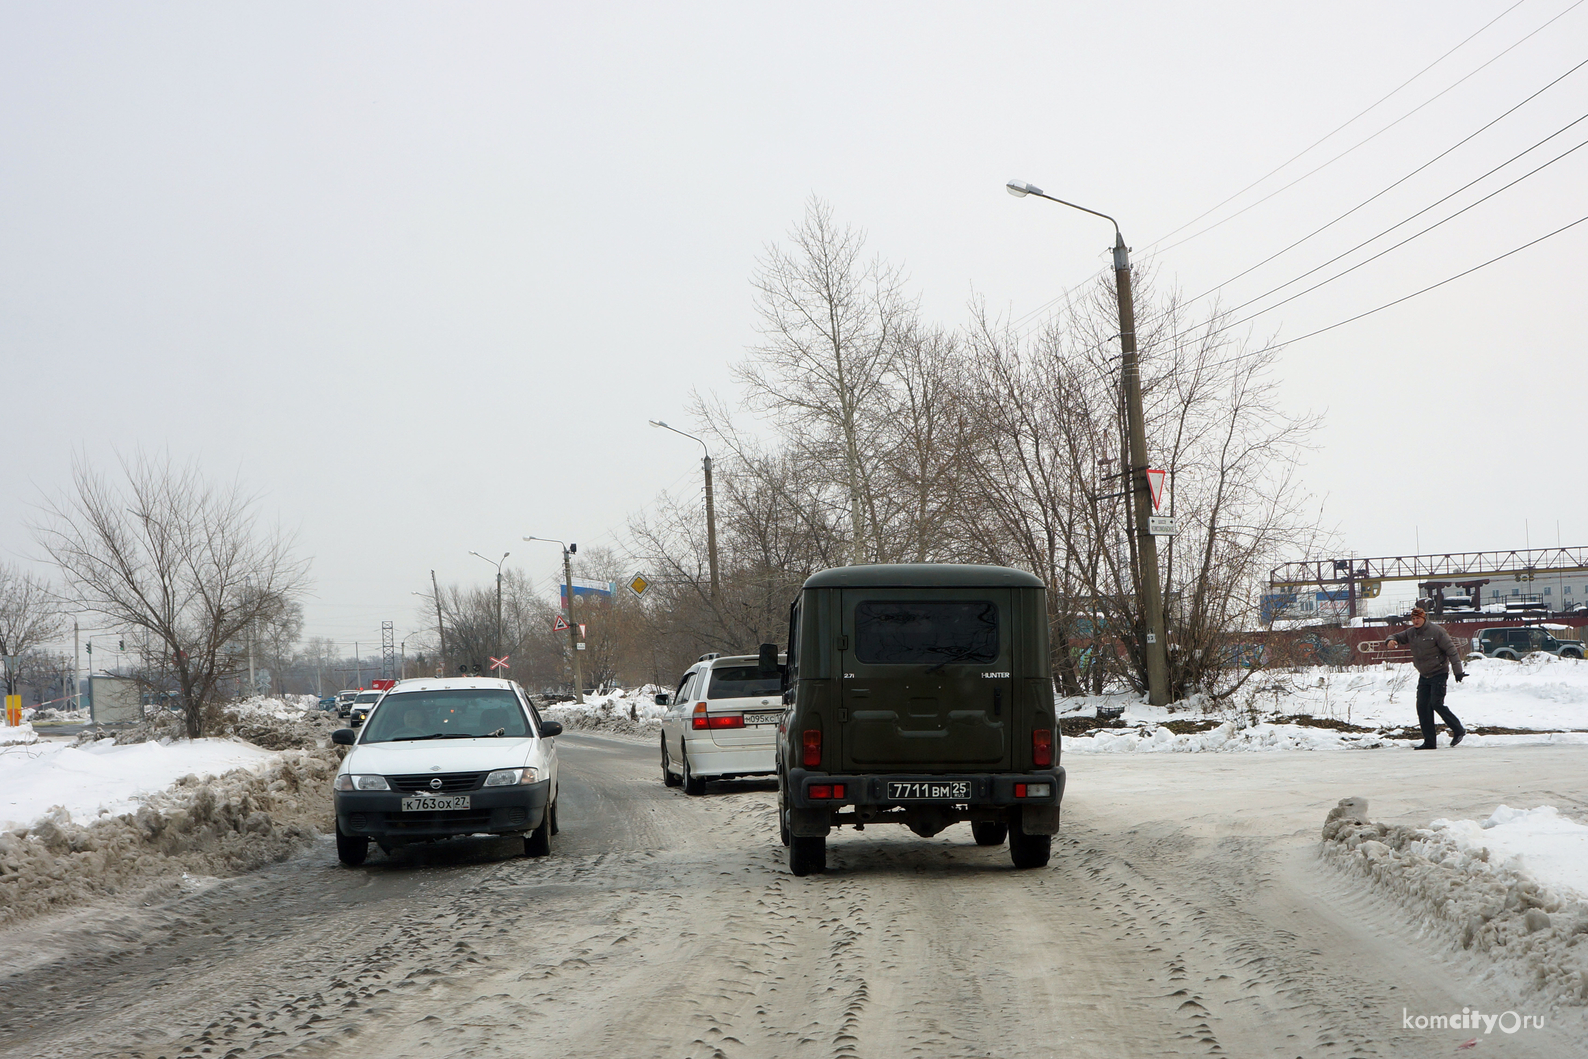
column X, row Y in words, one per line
column 1434, row 654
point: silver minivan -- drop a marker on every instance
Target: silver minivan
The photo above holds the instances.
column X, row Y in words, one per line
column 721, row 722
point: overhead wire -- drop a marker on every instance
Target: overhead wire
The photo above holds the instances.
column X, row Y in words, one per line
column 1369, row 139
column 1408, row 176
column 1339, row 128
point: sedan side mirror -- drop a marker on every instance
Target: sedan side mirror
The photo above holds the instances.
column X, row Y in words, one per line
column 344, row 737
column 662, row 698
column 550, row 728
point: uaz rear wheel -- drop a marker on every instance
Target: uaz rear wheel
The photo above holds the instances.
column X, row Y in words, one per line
column 807, row 856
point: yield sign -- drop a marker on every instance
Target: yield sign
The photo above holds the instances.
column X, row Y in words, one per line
column 560, row 624
column 1155, row 486
column 500, row 663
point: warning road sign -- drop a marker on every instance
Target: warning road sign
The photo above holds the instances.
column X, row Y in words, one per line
column 560, row 624
column 1155, row 486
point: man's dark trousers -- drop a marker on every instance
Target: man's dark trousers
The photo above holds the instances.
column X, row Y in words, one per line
column 1431, row 700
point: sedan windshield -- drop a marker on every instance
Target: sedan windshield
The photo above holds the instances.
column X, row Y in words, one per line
column 463, row 713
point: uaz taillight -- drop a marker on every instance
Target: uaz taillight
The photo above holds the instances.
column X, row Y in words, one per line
column 1042, row 747
column 811, row 742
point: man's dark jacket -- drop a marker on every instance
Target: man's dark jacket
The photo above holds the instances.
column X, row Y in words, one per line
column 1431, row 646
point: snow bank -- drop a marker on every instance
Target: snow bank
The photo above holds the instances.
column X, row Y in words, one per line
column 18, row 734
column 1484, row 895
column 101, row 778
column 246, row 818
column 624, row 712
column 1227, row 737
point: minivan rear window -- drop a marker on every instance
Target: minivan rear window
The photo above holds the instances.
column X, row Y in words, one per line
column 926, row 631
column 742, row 682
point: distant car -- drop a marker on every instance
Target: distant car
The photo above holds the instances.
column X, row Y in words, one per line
column 440, row 758
column 721, row 722
column 344, row 700
column 327, row 703
column 362, row 703
column 1517, row 643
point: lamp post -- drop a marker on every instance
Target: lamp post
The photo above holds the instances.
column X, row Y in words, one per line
column 1155, row 648
column 498, row 564
column 711, row 510
column 573, row 626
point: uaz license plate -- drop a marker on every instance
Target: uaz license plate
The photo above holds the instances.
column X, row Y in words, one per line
column 931, row 790
column 429, row 803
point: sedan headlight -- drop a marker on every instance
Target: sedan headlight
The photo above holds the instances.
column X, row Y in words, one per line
column 346, row 781
column 509, row 777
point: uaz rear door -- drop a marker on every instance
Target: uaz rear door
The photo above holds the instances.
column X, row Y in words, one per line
column 926, row 679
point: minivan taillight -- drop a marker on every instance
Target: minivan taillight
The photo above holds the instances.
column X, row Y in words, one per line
column 701, row 721
column 811, row 741
column 1042, row 747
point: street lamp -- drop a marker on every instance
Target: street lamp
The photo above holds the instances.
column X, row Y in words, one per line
column 573, row 626
column 1156, row 648
column 498, row 564
column 711, row 510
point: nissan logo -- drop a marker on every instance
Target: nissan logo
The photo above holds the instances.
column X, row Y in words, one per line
column 435, row 784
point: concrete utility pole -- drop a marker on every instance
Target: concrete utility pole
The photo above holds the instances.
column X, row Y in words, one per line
column 711, row 509
column 1156, row 647
column 573, row 625
column 75, row 694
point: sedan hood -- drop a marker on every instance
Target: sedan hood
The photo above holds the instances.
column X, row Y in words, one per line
column 439, row 755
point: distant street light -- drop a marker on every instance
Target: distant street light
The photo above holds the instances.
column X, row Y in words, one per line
column 573, row 626
column 498, row 564
column 711, row 510
column 1155, row 649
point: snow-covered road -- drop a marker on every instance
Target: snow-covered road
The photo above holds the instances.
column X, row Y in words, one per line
column 1186, row 912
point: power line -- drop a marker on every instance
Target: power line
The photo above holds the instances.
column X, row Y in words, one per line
column 1403, row 242
column 1413, row 173
column 1359, row 143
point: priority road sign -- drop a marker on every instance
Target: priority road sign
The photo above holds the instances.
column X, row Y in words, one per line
column 638, row 584
column 560, row 625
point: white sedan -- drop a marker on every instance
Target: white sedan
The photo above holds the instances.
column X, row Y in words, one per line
column 437, row 758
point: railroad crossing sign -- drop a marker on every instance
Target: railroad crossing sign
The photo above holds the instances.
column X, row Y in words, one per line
column 638, row 584
column 1155, row 486
column 500, row 663
column 560, row 625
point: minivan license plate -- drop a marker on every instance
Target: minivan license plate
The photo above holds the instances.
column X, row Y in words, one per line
column 429, row 803
column 930, row 790
column 763, row 718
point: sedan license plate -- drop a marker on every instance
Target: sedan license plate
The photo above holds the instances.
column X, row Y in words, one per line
column 426, row 803
column 929, row 790
column 763, row 718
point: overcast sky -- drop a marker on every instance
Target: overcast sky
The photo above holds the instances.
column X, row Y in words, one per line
column 418, row 274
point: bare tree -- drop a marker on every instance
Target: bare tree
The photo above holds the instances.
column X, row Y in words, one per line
column 182, row 562
column 832, row 325
column 29, row 617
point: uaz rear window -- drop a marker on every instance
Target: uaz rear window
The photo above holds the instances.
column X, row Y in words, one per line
column 904, row 633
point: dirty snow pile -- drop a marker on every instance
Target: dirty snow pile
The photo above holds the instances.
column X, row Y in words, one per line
column 1514, row 887
column 18, row 734
column 619, row 712
column 77, row 821
column 1226, row 737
